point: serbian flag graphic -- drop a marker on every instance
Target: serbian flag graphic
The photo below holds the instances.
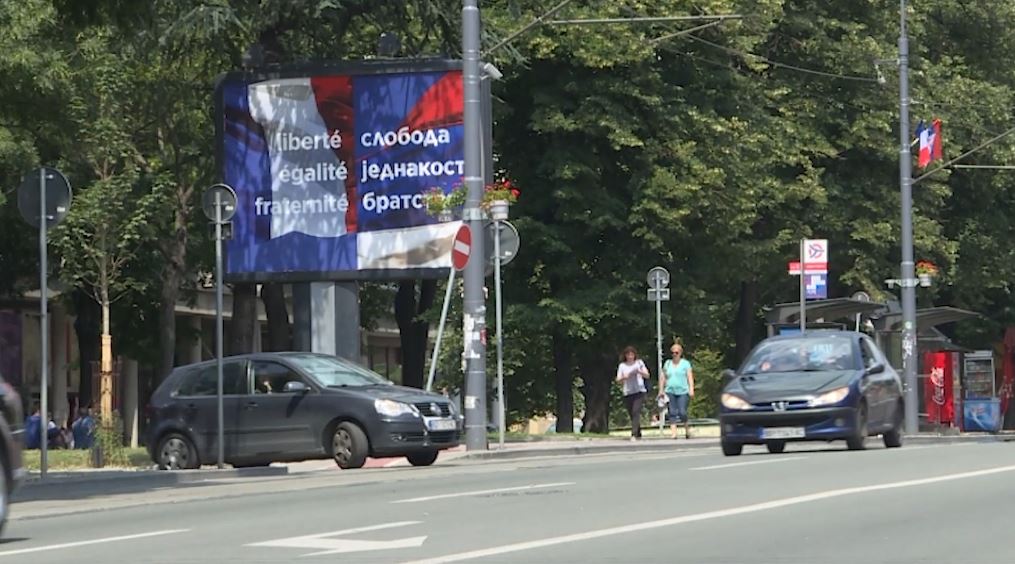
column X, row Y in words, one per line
column 930, row 143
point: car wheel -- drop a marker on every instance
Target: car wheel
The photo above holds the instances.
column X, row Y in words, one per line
column 893, row 437
column 422, row 458
column 4, row 495
column 176, row 452
column 732, row 449
column 776, row 447
column 859, row 439
column 349, row 446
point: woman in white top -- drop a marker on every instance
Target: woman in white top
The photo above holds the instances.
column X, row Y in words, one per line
column 631, row 373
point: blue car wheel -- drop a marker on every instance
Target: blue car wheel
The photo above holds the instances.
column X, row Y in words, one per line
column 859, row 439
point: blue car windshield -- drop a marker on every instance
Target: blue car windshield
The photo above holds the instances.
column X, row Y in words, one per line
column 335, row 372
column 801, row 355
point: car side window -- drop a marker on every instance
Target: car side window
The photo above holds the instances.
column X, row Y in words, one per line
column 204, row 382
column 271, row 377
column 870, row 357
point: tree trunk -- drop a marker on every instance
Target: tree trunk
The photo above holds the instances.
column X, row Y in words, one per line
column 744, row 329
column 598, row 375
column 174, row 252
column 279, row 332
column 564, row 378
column 413, row 331
column 241, row 326
column 87, row 322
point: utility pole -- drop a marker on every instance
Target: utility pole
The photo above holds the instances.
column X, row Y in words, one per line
column 474, row 302
column 907, row 275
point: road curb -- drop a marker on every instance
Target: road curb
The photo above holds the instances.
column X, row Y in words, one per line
column 160, row 477
column 664, row 445
column 579, row 449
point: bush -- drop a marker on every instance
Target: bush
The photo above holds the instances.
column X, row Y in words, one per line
column 708, row 367
column 108, row 449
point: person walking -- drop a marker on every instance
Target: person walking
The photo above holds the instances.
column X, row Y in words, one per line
column 677, row 383
column 631, row 373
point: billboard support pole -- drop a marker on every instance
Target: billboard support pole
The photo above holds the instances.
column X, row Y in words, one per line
column 474, row 318
column 440, row 331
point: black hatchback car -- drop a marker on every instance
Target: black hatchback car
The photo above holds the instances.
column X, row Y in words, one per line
column 281, row 407
column 819, row 386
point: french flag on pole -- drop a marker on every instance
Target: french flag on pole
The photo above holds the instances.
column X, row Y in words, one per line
column 930, row 142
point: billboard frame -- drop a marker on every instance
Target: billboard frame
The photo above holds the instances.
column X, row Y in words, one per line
column 366, row 67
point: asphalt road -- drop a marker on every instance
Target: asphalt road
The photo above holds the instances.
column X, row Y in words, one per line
column 919, row 504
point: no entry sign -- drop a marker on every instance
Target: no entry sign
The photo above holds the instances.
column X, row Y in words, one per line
column 461, row 248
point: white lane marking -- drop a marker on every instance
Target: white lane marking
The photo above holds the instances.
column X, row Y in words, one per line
column 339, row 546
column 484, row 492
column 94, row 541
column 750, row 463
column 509, row 548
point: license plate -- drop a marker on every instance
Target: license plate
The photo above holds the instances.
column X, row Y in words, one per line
column 441, row 425
column 783, row 433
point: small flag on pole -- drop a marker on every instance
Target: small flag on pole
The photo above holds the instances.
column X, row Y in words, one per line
column 930, row 143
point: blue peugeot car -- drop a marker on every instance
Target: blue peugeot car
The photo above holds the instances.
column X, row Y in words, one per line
column 817, row 386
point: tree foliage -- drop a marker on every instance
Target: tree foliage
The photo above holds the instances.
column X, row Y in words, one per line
column 710, row 153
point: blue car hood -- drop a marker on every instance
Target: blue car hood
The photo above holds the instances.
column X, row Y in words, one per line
column 761, row 388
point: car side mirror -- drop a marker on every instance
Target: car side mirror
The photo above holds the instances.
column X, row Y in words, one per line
column 728, row 376
column 295, row 387
column 876, row 369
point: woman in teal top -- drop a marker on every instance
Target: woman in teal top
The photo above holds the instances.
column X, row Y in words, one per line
column 677, row 382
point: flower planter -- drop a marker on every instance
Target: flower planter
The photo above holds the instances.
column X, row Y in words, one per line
column 925, row 280
column 499, row 210
column 445, row 216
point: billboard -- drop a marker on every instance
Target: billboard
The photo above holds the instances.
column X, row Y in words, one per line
column 329, row 165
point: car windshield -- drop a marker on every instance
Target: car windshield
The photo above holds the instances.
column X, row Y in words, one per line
column 801, row 355
column 335, row 372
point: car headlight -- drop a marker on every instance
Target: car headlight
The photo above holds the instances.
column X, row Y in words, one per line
column 392, row 408
column 731, row 401
column 828, row 398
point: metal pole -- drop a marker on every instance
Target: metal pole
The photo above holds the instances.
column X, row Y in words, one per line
column 905, row 180
column 659, row 331
column 474, row 318
column 500, row 338
column 218, row 325
column 43, row 327
column 440, row 331
column 803, row 288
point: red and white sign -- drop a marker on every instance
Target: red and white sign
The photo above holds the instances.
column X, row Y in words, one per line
column 815, row 258
column 812, row 268
column 461, row 248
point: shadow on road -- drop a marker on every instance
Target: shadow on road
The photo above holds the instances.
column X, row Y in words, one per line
column 74, row 486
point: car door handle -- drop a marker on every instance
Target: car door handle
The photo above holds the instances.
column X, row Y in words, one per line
column 251, row 405
column 191, row 407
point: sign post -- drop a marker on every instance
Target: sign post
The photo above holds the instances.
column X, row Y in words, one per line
column 219, row 205
column 461, row 249
column 813, row 272
column 658, row 280
column 43, row 203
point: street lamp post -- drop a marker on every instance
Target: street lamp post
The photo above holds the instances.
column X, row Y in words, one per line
column 474, row 300
column 908, row 281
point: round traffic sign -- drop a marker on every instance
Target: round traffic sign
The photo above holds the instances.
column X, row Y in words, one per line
column 225, row 197
column 509, row 241
column 461, row 248
column 658, row 277
column 58, row 197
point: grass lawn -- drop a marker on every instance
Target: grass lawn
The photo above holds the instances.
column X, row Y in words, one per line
column 64, row 459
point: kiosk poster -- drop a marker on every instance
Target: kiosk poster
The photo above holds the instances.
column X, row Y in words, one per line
column 329, row 170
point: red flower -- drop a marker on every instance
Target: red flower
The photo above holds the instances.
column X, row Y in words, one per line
column 515, row 192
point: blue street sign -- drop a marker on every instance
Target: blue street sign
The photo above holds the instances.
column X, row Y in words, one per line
column 817, row 286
